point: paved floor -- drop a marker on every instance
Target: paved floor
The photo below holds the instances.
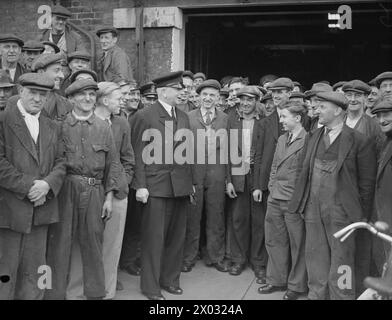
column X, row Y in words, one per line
column 203, row 283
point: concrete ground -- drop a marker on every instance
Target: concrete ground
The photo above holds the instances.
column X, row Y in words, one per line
column 203, row 283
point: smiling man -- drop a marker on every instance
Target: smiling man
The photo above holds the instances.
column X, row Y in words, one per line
column 31, row 50
column 78, row 60
column 384, row 84
column 114, row 64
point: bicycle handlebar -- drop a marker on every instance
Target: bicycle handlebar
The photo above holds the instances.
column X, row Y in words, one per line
column 344, row 233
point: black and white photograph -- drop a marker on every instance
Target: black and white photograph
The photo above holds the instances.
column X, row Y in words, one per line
column 208, row 152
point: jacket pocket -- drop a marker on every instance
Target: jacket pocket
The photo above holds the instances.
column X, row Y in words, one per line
column 99, row 154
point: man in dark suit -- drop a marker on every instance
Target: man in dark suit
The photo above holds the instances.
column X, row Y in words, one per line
column 60, row 34
column 245, row 222
column 335, row 188
column 32, row 170
column 164, row 185
column 266, row 136
column 207, row 124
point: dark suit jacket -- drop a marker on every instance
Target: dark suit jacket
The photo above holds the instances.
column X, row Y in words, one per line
column 266, row 135
column 357, row 168
column 73, row 41
column 162, row 178
column 20, row 165
column 235, row 125
column 383, row 195
column 218, row 170
column 115, row 66
column 18, row 72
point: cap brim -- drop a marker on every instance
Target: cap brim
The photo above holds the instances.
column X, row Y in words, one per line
column 7, row 85
column 248, row 95
column 355, row 90
column 31, row 86
column 279, row 88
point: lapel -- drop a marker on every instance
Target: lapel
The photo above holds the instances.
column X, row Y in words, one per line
column 314, row 139
column 18, row 126
column 199, row 118
column 45, row 135
column 296, row 145
column 384, row 160
column 346, row 142
column 237, row 125
column 163, row 115
column 274, row 123
column 108, row 59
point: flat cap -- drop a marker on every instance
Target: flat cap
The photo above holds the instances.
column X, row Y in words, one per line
column 372, row 83
column 80, row 54
column 318, row 87
column 224, row 92
column 5, row 80
column 83, row 71
column 171, row 79
column 106, row 87
column 106, row 30
column 80, row 85
column 383, row 76
column 267, row 78
column 250, row 91
column 10, row 37
column 36, row 81
column 335, row 97
column 45, row 60
column 267, row 97
column 209, row 83
column 382, row 105
column 199, row 75
column 53, row 45
column 338, row 84
column 281, row 83
column 33, row 45
column 297, row 95
column 59, row 10
column 148, row 89
column 357, row 86
column 262, row 89
column 188, row 73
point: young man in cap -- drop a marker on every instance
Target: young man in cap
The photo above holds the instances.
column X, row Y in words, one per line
column 32, row 170
column 77, row 60
column 372, row 98
column 11, row 48
column 210, row 173
column 56, row 107
column 149, row 94
column 6, row 87
column 114, row 64
column 31, row 50
column 284, row 232
column 235, row 84
column 268, row 103
column 245, row 221
column 335, row 187
column 183, row 98
column 164, row 187
column 198, row 78
column 93, row 173
column 60, row 34
column 384, row 84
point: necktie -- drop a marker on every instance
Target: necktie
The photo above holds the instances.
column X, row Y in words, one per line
column 289, row 139
column 208, row 118
column 173, row 113
column 326, row 138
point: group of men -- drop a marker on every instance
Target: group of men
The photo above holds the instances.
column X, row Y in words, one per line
column 98, row 174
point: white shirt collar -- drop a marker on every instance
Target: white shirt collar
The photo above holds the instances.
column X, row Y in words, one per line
column 204, row 112
column 81, row 118
column 167, row 107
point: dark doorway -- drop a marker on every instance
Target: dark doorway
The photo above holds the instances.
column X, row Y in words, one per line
column 292, row 41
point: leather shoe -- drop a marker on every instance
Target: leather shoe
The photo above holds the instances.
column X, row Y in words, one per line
column 187, row 267
column 291, row 295
column 132, row 269
column 269, row 288
column 119, row 286
column 155, row 297
column 236, row 269
column 220, row 266
column 260, row 273
column 172, row 289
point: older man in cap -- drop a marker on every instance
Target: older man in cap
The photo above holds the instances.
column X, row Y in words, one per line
column 31, row 50
column 60, row 34
column 11, row 48
column 245, row 227
column 311, row 95
column 335, row 187
column 77, row 60
column 86, row 199
column 210, row 169
column 384, row 84
column 6, row 87
column 32, row 170
column 114, row 64
column 164, row 185
column 149, row 94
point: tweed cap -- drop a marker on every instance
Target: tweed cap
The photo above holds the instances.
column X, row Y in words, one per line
column 281, row 83
column 82, row 71
column 267, row 78
column 357, row 86
column 59, row 10
column 80, row 85
column 33, row 45
column 10, row 37
column 199, row 75
column 267, row 97
column 171, row 79
column 45, row 60
column 383, row 76
column 338, row 84
column 5, row 80
column 297, row 95
column 250, row 91
column 80, row 54
column 106, row 30
column 335, row 97
column 53, row 45
column 318, row 87
column 209, row 83
column 382, row 105
column 36, row 81
column 188, row 73
column 106, row 87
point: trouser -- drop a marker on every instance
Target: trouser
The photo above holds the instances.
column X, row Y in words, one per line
column 211, row 197
column 130, row 251
column 162, row 240
column 285, row 242
column 112, row 239
column 245, row 229
column 22, row 258
column 80, row 216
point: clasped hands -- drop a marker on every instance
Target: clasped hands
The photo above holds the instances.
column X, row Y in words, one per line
column 38, row 191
